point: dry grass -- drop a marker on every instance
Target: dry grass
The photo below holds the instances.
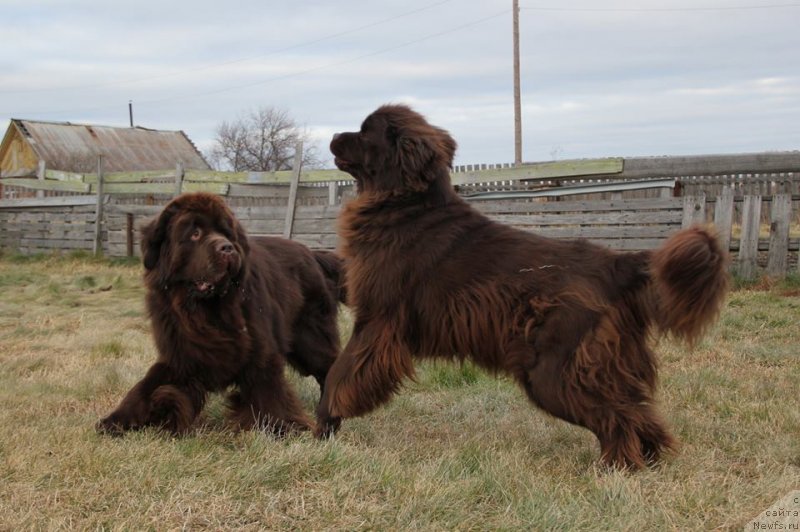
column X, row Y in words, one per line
column 764, row 230
column 456, row 450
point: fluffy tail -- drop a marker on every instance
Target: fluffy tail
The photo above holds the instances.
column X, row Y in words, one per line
column 690, row 280
column 333, row 267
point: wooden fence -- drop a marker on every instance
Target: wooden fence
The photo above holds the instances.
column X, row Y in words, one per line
column 757, row 223
column 758, row 173
column 68, row 223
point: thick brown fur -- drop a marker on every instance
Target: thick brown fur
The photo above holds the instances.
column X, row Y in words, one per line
column 229, row 311
column 429, row 276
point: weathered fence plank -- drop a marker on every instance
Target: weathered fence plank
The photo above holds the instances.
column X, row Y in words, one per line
column 591, row 217
column 46, row 185
column 97, row 247
column 48, row 244
column 41, row 172
column 723, row 217
column 710, row 165
column 544, row 170
column 179, row 173
column 292, row 203
column 780, row 215
column 694, row 210
column 748, row 244
column 129, row 234
column 55, row 201
column 333, row 193
column 521, row 207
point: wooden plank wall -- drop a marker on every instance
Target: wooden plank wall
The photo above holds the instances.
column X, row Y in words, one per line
column 625, row 224
column 47, row 224
column 313, row 225
column 49, row 227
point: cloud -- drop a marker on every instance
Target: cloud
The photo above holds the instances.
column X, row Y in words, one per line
column 595, row 83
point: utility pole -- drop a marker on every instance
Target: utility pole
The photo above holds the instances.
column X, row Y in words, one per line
column 517, row 104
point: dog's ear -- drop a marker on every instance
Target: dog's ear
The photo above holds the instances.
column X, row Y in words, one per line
column 154, row 234
column 445, row 147
column 413, row 155
column 422, row 155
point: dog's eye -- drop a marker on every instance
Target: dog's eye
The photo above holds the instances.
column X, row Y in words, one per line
column 196, row 234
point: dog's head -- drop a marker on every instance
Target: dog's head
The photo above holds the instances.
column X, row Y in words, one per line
column 396, row 151
column 196, row 242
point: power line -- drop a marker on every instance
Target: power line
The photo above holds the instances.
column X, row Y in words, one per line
column 233, row 61
column 655, row 9
column 297, row 73
column 339, row 63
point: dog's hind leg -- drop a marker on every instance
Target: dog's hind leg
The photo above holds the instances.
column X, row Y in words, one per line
column 631, row 434
column 606, row 385
column 609, row 383
column 315, row 343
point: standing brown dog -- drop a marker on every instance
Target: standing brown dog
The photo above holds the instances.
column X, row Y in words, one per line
column 428, row 276
column 229, row 311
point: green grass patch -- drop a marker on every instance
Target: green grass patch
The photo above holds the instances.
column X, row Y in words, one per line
column 111, row 349
column 456, row 449
column 453, row 375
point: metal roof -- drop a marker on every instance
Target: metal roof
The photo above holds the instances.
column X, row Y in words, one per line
column 75, row 147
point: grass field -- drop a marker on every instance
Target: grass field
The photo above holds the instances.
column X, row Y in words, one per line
column 457, row 449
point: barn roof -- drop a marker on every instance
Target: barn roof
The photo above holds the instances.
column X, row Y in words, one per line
column 74, row 147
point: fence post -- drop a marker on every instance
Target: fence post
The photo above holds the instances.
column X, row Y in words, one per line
column 129, row 234
column 333, row 192
column 780, row 216
column 694, row 210
column 748, row 243
column 723, row 217
column 179, row 173
column 40, row 175
column 98, row 213
column 290, row 206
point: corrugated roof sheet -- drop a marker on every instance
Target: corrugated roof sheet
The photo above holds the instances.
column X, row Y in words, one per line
column 74, row 147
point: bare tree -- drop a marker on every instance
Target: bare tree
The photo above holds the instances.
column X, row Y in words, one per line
column 262, row 140
column 230, row 146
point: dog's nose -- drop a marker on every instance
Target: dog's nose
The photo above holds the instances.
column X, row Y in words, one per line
column 225, row 248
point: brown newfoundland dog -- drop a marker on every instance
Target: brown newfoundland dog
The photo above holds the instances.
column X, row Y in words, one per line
column 429, row 276
column 228, row 311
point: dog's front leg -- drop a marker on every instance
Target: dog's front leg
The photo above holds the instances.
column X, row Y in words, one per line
column 365, row 375
column 134, row 410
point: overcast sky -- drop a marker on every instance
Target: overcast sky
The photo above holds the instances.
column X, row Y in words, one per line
column 599, row 78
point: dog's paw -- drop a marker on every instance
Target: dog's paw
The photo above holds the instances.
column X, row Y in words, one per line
column 327, row 427
column 115, row 424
